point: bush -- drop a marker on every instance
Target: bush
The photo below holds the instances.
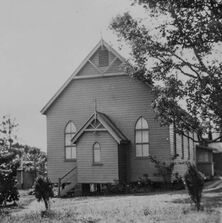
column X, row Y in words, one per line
column 178, row 182
column 194, row 183
column 165, row 169
column 144, row 184
column 8, row 189
column 43, row 190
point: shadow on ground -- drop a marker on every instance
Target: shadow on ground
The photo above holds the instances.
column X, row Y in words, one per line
column 210, row 199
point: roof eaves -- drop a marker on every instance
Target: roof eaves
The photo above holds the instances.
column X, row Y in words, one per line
column 110, row 130
column 113, row 128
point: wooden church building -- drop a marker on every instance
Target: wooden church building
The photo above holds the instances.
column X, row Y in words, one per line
column 101, row 126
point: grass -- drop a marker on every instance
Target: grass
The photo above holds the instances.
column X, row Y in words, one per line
column 165, row 207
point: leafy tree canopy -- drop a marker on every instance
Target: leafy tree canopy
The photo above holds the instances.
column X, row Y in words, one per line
column 177, row 48
column 32, row 158
column 9, row 162
column 8, row 128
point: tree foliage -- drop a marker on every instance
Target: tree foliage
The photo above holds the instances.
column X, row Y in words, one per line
column 9, row 161
column 8, row 127
column 194, row 183
column 165, row 168
column 32, row 158
column 43, row 190
column 8, row 170
column 180, row 55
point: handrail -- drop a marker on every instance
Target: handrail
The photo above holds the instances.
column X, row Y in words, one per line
column 60, row 180
column 68, row 173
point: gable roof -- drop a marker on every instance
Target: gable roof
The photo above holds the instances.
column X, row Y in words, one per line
column 106, row 123
column 68, row 81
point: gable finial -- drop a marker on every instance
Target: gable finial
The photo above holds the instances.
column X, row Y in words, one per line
column 95, row 105
column 101, row 39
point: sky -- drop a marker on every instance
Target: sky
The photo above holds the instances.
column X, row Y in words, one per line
column 41, row 44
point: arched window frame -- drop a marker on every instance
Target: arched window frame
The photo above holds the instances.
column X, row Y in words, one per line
column 96, row 148
column 144, row 144
column 70, row 149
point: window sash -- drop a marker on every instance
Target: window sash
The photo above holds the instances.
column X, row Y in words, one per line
column 142, row 150
column 142, row 124
column 70, row 152
column 142, row 136
column 70, row 128
column 97, row 155
column 68, row 139
column 139, row 150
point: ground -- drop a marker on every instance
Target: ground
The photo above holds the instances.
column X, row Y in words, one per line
column 172, row 207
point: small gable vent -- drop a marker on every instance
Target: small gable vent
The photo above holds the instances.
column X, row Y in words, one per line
column 103, row 57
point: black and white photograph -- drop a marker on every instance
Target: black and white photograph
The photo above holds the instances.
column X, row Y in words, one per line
column 111, row 111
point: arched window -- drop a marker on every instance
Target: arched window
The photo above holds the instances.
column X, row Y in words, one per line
column 142, row 138
column 96, row 153
column 70, row 149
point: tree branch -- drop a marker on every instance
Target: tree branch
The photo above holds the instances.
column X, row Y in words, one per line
column 185, row 73
column 188, row 65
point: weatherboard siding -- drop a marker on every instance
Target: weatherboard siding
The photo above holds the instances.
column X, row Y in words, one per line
column 107, row 172
column 123, row 100
column 56, row 165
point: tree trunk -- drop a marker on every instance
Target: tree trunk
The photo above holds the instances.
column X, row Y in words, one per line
column 46, row 204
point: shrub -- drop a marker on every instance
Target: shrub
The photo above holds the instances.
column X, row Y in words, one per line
column 144, row 184
column 178, row 182
column 194, row 183
column 165, row 169
column 43, row 190
column 8, row 170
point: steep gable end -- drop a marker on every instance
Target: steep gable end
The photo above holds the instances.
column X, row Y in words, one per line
column 102, row 61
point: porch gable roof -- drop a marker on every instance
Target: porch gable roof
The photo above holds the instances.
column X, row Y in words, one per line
column 106, row 123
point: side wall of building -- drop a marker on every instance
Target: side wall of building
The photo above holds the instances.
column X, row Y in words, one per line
column 185, row 150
